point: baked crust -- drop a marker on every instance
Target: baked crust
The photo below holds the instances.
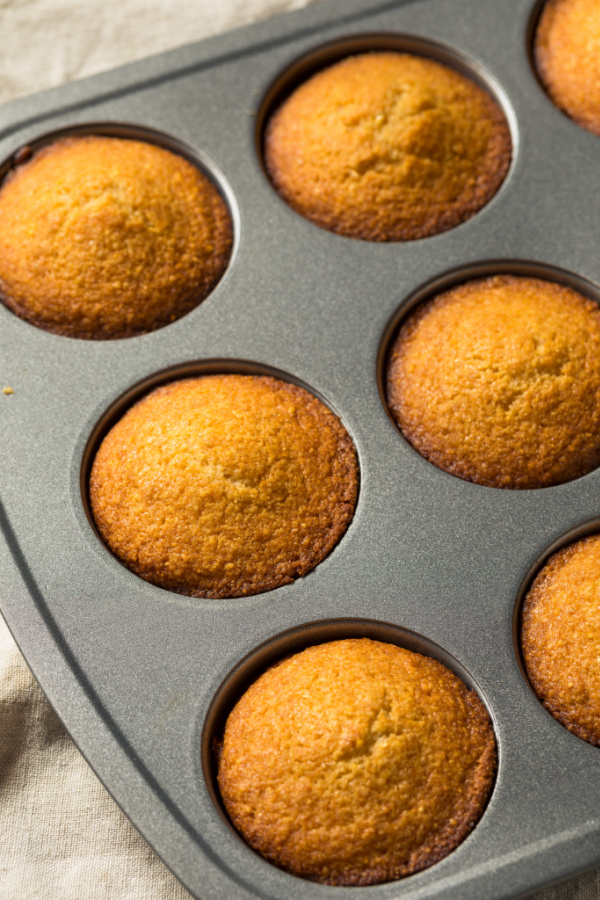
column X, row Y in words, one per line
column 356, row 762
column 108, row 238
column 497, row 381
column 387, row 147
column 560, row 637
column 225, row 485
column 567, row 56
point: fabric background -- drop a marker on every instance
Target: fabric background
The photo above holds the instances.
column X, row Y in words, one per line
column 62, row 837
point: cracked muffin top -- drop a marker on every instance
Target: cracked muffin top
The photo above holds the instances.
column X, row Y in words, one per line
column 497, row 381
column 387, row 147
column 560, row 637
column 356, row 762
column 224, row 485
column 567, row 55
column 108, row 238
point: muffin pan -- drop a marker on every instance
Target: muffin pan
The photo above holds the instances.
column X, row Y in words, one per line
column 141, row 677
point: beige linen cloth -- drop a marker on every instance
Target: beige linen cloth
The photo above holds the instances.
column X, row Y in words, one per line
column 62, row 837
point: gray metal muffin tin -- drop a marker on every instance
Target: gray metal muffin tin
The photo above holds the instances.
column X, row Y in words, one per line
column 133, row 670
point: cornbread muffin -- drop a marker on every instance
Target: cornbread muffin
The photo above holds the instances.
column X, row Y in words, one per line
column 108, row 238
column 497, row 381
column 560, row 637
column 356, row 762
column 567, row 55
column 388, row 147
column 224, row 485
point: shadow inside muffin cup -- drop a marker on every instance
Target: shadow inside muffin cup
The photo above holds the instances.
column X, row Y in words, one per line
column 292, row 642
column 216, row 184
column 455, row 278
column 323, row 57
column 532, row 25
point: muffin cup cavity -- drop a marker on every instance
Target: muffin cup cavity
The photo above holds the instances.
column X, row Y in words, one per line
column 553, row 688
column 385, row 99
column 469, row 462
column 287, row 649
column 147, row 227
column 130, row 132
column 563, row 41
column 585, row 529
column 332, row 52
column 299, row 638
column 287, row 505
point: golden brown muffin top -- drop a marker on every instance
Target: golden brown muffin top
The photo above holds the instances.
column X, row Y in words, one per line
column 387, row 147
column 106, row 238
column 560, row 637
column 567, row 55
column 356, row 762
column 224, row 485
column 497, row 381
